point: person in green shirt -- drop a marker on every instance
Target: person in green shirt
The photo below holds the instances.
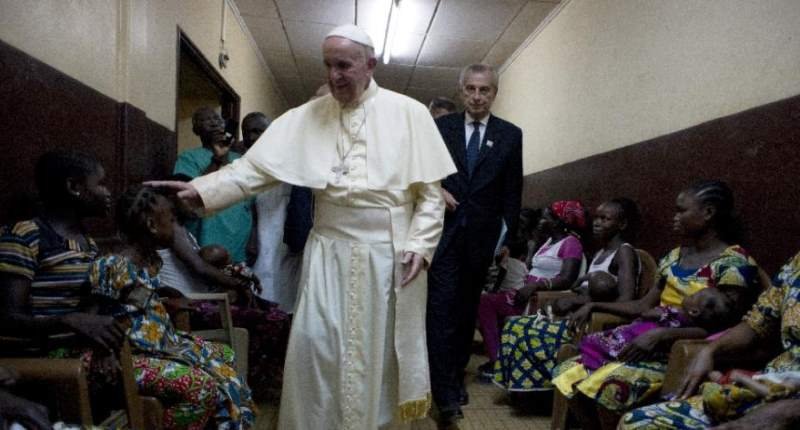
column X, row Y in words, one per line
column 231, row 227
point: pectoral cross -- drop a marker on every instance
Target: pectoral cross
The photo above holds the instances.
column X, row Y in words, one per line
column 341, row 169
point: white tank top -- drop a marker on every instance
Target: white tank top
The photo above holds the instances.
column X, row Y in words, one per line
column 546, row 263
column 603, row 265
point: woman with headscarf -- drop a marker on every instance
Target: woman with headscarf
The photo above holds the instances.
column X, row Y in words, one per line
column 556, row 265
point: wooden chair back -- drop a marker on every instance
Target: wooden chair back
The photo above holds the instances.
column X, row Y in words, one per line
column 237, row 337
column 647, row 273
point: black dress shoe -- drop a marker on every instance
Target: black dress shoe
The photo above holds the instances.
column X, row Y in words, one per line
column 463, row 396
column 449, row 417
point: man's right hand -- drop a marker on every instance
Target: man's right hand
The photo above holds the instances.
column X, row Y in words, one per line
column 450, row 202
column 185, row 191
column 220, row 146
column 102, row 329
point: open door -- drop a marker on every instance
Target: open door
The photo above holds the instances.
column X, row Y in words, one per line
column 199, row 84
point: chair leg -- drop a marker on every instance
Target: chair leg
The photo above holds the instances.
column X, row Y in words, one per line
column 133, row 402
column 608, row 419
column 560, row 411
column 84, row 402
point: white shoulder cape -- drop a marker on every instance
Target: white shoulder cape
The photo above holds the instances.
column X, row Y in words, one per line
column 403, row 143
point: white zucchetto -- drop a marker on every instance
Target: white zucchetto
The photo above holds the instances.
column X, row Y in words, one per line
column 352, row 32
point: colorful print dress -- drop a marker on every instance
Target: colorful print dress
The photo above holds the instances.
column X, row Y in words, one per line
column 776, row 311
column 529, row 346
column 194, row 379
column 621, row 386
column 528, row 349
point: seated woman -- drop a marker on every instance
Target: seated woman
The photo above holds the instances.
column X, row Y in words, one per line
column 194, row 379
column 706, row 259
column 555, row 266
column 191, row 269
column 44, row 265
column 709, row 309
column 530, row 344
column 774, row 314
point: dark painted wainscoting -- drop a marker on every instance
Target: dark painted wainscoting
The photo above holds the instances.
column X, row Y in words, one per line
column 756, row 151
column 43, row 109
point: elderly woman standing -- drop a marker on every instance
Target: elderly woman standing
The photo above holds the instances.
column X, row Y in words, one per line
column 777, row 312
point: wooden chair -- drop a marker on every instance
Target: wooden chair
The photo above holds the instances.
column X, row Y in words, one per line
column 237, row 337
column 66, row 380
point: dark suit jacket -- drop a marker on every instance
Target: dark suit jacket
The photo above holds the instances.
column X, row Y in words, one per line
column 494, row 191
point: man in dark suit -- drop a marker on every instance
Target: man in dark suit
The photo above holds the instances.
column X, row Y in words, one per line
column 484, row 193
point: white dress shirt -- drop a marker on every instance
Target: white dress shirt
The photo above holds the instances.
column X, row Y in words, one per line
column 469, row 128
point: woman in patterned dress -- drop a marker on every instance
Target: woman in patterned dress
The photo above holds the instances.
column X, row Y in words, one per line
column 706, row 259
column 194, row 379
column 777, row 312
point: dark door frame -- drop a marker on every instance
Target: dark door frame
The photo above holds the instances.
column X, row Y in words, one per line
column 229, row 100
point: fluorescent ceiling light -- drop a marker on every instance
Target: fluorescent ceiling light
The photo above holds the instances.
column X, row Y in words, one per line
column 395, row 16
column 383, row 20
column 376, row 18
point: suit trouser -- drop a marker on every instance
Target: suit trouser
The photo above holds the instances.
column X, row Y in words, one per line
column 455, row 282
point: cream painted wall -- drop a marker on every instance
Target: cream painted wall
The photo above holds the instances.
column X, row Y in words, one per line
column 609, row 73
column 127, row 49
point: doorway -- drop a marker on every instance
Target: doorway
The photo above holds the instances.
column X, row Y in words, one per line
column 200, row 84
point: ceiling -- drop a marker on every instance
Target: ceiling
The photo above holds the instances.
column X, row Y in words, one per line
column 434, row 39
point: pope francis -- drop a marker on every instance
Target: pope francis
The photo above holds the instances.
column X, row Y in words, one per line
column 357, row 353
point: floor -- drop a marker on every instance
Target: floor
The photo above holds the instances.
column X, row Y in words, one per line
column 489, row 409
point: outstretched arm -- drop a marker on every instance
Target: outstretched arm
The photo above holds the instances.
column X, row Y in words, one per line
column 225, row 187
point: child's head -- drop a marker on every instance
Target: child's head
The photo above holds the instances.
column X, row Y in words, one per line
column 528, row 223
column 215, row 255
column 619, row 216
column 602, row 287
column 183, row 211
column 518, row 249
column 72, row 179
column 710, row 308
column 146, row 217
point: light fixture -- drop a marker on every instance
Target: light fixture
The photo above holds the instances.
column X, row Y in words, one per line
column 391, row 30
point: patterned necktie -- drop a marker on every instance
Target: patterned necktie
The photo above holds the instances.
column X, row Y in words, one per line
column 473, row 147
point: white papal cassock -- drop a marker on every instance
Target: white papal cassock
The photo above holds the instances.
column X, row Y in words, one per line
column 357, row 352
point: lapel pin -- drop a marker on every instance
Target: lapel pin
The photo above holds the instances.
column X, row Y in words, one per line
column 489, row 143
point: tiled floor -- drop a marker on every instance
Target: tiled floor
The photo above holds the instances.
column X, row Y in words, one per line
column 489, row 409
